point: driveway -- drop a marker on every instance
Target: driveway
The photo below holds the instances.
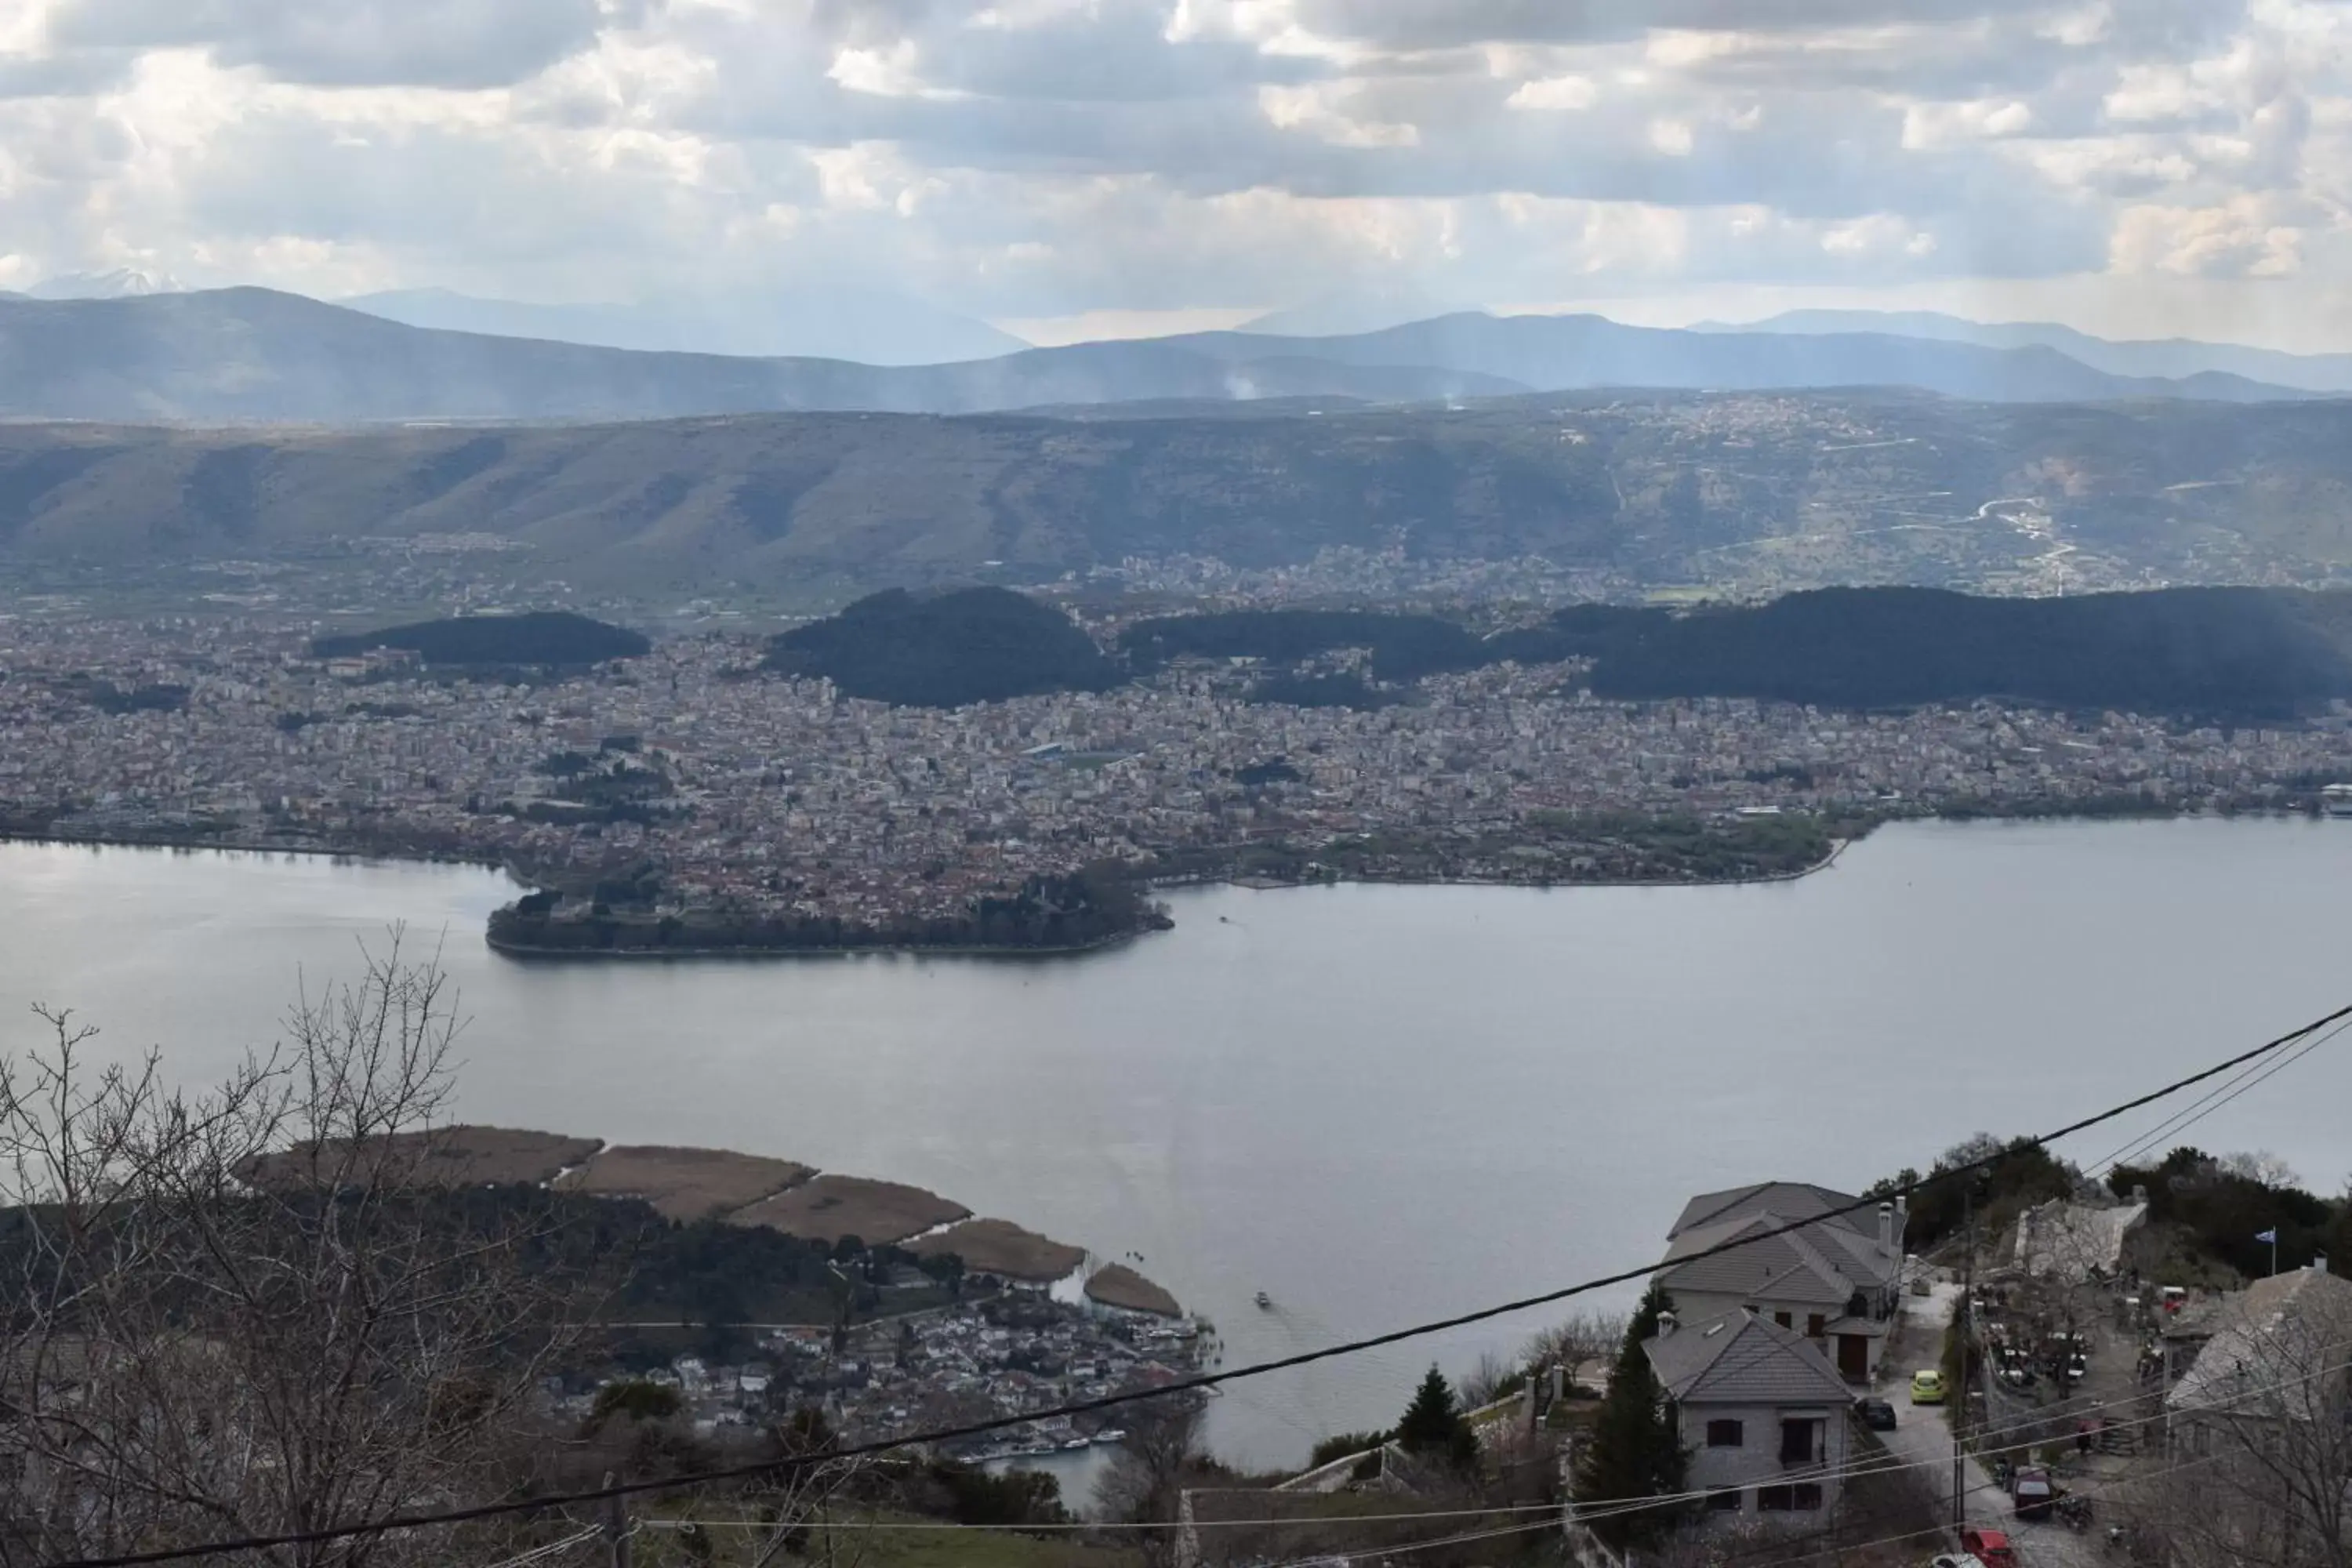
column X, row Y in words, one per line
column 1922, row 1439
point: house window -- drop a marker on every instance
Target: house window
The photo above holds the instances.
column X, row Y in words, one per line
column 1781, row 1319
column 1805, row 1497
column 1775, row 1499
column 1725, row 1435
column 1722, row 1502
column 1816, row 1325
column 1796, row 1442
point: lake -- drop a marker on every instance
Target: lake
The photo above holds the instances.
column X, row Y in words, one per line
column 1376, row 1104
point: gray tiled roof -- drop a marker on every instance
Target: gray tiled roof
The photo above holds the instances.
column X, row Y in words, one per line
column 1843, row 1248
column 2272, row 1348
column 1737, row 1358
column 1790, row 1200
column 1785, row 1267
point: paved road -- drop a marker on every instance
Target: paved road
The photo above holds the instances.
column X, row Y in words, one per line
column 1923, row 1438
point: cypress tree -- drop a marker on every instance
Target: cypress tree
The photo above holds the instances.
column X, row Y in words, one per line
column 1433, row 1426
column 1636, row 1449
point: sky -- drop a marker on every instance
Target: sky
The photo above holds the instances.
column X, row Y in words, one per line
column 1076, row 168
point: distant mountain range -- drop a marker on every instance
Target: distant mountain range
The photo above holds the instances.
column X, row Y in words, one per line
column 122, row 283
column 864, row 325
column 2164, row 357
column 1745, row 493
column 257, row 355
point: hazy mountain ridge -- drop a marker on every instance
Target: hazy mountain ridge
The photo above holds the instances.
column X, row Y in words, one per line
column 864, row 326
column 2169, row 357
column 1755, row 491
column 255, row 355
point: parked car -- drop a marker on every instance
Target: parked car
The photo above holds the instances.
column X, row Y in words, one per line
column 1876, row 1413
column 1990, row 1547
column 2031, row 1493
column 1946, row 1560
column 1927, row 1387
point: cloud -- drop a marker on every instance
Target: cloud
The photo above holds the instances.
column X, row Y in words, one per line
column 345, row 43
column 1057, row 158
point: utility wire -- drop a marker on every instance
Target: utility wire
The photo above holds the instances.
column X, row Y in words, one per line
column 2214, row 1099
column 1184, row 1386
column 1855, row 1469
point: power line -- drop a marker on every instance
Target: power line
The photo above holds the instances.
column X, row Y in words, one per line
column 2214, row 1099
column 1881, row 1465
column 1200, row 1382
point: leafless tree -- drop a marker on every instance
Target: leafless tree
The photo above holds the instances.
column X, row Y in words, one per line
column 1144, row 1481
column 2259, row 1166
column 1579, row 1340
column 2260, row 1471
column 1483, row 1383
column 203, row 1343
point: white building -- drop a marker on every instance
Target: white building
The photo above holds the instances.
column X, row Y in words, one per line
column 1781, row 1250
column 1762, row 1412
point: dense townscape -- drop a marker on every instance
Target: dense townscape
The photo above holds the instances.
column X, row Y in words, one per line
column 973, row 1363
column 688, row 785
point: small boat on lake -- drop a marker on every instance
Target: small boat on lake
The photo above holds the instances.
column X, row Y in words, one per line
column 1265, row 1300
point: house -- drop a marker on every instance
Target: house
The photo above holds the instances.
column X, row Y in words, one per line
column 2261, row 1425
column 2271, row 1353
column 1763, row 1414
column 1833, row 1276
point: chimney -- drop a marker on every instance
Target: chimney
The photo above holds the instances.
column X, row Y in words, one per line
column 1665, row 1325
column 1886, row 1228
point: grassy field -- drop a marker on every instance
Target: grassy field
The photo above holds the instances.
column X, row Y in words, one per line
column 452, row 1156
column 831, row 1207
column 1120, row 1286
column 1000, row 1247
column 685, row 1184
column 985, row 1549
column 895, row 1547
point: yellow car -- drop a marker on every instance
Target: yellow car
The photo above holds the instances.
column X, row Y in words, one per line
column 1927, row 1389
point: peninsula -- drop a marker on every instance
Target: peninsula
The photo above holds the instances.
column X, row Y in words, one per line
column 696, row 799
column 690, row 1185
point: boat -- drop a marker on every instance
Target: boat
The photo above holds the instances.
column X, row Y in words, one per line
column 1077, row 1443
column 1264, row 1300
column 2336, row 798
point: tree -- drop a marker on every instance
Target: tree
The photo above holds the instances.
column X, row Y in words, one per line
column 210, row 1336
column 2261, row 1470
column 1433, row 1427
column 1144, row 1481
column 1492, row 1379
column 1575, row 1342
column 1636, row 1448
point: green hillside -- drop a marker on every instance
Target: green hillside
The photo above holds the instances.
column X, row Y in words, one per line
column 543, row 637
column 943, row 650
column 1754, row 494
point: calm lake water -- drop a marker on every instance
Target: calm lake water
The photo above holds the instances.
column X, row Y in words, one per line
column 1376, row 1104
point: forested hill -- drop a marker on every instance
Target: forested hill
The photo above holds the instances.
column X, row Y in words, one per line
column 2247, row 653
column 1403, row 648
column 541, row 637
column 2230, row 653
column 943, row 650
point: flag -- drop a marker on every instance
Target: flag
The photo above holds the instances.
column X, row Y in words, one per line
column 2269, row 1236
